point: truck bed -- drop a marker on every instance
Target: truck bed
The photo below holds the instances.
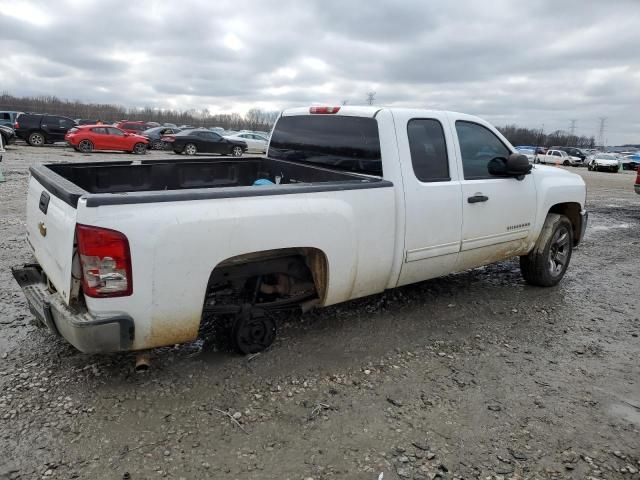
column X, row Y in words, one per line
column 108, row 183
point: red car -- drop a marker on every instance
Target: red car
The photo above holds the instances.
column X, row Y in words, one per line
column 637, row 184
column 87, row 138
column 136, row 126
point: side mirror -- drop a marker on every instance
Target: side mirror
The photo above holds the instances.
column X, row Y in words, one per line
column 517, row 165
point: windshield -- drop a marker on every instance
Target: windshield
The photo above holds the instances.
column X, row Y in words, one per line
column 334, row 141
column 606, row 157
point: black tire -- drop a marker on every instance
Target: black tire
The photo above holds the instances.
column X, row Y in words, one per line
column 36, row 139
column 190, row 149
column 589, row 167
column 536, row 160
column 140, row 148
column 85, row 146
column 547, row 263
column 177, row 151
column 236, row 151
column 157, row 145
column 566, row 163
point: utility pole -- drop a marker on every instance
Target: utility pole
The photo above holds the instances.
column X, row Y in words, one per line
column 603, row 124
column 344, row 102
column 572, row 128
column 371, row 97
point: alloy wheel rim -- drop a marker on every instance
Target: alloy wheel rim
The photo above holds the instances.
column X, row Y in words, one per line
column 559, row 251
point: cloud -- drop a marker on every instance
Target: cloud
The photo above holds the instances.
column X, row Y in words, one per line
column 519, row 62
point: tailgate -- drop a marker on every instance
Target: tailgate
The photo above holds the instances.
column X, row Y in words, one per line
column 50, row 232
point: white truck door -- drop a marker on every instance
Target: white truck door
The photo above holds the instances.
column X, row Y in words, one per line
column 432, row 195
column 498, row 213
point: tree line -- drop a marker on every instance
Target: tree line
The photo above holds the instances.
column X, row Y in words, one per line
column 254, row 119
column 529, row 136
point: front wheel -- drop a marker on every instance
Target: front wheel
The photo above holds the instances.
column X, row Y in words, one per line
column 236, row 151
column 547, row 263
column 566, row 163
column 190, row 149
column 140, row 148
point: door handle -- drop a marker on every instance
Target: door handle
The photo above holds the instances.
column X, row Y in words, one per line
column 477, row 199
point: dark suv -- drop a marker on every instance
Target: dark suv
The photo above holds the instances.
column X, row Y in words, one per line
column 572, row 151
column 38, row 128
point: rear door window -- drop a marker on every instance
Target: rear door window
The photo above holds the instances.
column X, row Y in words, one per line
column 51, row 122
column 428, row 150
column 99, row 130
column 333, row 141
column 115, row 131
column 66, row 122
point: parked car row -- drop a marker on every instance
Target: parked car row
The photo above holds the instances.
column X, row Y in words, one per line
column 572, row 156
column 88, row 135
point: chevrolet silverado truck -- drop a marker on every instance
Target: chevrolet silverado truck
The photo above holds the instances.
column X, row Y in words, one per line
column 557, row 157
column 348, row 202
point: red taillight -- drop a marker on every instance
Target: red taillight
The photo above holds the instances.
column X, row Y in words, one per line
column 105, row 261
column 324, row 109
column 16, row 126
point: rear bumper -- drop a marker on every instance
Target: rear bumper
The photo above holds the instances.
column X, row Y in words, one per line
column 86, row 332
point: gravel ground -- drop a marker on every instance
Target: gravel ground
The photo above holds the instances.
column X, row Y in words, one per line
column 475, row 375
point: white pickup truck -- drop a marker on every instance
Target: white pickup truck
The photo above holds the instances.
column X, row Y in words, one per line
column 349, row 202
column 557, row 157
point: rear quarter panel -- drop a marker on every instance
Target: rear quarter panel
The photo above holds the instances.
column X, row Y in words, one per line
column 176, row 245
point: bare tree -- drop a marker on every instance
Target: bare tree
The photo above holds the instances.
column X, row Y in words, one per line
column 371, row 97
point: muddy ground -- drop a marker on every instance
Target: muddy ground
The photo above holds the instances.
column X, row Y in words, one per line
column 474, row 375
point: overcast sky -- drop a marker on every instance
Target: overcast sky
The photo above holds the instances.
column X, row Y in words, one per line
column 524, row 62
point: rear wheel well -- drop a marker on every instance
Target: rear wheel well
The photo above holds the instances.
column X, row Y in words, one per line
column 571, row 210
column 245, row 292
column 271, row 278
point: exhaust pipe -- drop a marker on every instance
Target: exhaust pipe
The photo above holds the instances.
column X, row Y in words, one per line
column 143, row 362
